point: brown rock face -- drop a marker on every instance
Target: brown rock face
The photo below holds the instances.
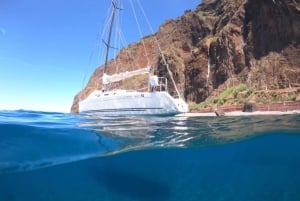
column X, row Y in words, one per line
column 220, row 44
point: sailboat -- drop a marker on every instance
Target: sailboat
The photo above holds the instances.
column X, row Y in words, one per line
column 156, row 100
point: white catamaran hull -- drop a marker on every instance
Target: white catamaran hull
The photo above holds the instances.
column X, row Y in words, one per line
column 123, row 102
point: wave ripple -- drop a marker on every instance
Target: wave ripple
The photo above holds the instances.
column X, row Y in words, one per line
column 32, row 140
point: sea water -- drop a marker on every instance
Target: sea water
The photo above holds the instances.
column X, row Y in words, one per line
column 59, row 157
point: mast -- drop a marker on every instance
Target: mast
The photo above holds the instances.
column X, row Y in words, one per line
column 115, row 7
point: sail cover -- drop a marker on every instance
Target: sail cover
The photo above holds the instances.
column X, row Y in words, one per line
column 124, row 75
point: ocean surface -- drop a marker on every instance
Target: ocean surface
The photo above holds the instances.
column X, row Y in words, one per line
column 65, row 157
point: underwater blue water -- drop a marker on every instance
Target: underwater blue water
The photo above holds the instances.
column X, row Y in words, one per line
column 54, row 156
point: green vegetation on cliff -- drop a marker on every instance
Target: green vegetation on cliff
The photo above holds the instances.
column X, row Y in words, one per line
column 231, row 96
column 241, row 94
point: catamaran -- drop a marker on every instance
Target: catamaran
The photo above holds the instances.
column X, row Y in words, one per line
column 156, row 100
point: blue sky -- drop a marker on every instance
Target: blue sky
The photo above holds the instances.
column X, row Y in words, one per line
column 45, row 47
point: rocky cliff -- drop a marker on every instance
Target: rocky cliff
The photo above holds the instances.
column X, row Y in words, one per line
column 218, row 45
